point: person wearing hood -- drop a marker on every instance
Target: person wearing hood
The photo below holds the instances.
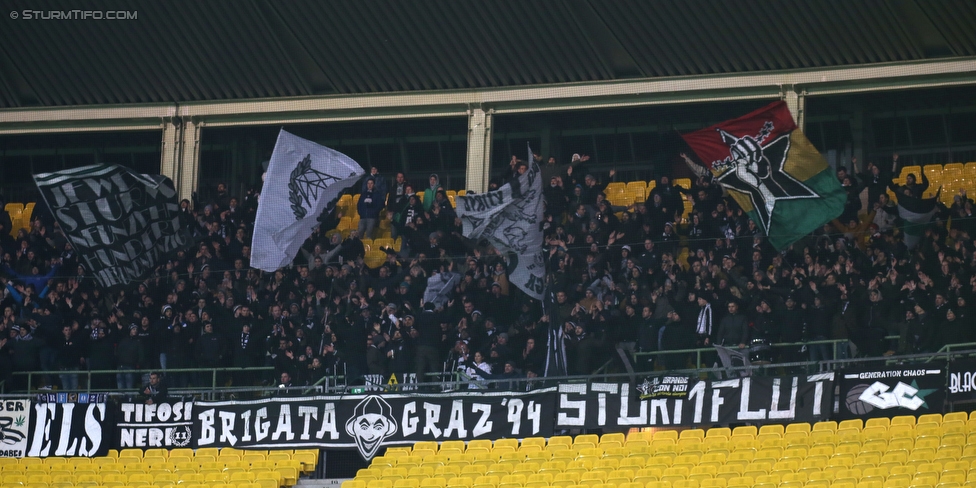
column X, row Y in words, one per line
column 670, row 195
column 397, row 201
column 431, row 191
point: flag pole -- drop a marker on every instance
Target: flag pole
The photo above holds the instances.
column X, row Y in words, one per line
column 555, row 354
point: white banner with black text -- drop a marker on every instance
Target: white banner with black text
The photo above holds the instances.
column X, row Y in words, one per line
column 370, row 422
column 751, row 399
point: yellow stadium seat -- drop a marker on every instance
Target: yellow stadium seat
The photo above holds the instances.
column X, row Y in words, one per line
column 798, row 427
column 459, row 482
column 883, row 422
column 433, row 482
column 25, row 218
column 591, row 439
column 114, row 477
column 829, row 426
column 696, row 434
column 635, row 185
column 772, row 429
column 425, row 446
column 513, row 443
column 665, row 435
column 718, row 432
column 479, row 443
column 613, row 437
column 406, row 483
column 745, row 431
column 930, row 418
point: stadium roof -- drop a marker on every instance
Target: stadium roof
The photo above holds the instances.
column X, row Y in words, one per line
column 188, row 50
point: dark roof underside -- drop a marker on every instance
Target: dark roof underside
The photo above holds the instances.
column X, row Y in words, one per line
column 188, row 50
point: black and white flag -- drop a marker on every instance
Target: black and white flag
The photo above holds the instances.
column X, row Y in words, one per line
column 511, row 219
column 122, row 223
column 440, row 287
column 303, row 180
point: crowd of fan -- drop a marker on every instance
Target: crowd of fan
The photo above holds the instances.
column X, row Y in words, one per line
column 620, row 283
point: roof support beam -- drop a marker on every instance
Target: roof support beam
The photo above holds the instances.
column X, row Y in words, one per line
column 896, row 76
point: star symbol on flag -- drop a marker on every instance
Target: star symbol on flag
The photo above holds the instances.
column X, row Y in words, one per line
column 921, row 394
column 758, row 171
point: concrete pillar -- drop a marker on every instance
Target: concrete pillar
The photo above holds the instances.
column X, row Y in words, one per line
column 170, row 151
column 795, row 102
column 479, row 150
column 859, row 136
column 189, row 169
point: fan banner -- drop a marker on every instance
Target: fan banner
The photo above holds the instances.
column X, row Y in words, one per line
column 749, row 399
column 14, row 421
column 164, row 425
column 69, row 429
column 304, row 180
column 511, row 219
column 772, row 171
column 962, row 380
column 371, row 422
column 911, row 390
column 122, row 223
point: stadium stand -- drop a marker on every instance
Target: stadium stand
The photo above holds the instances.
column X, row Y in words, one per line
column 396, row 247
column 933, row 451
column 160, row 468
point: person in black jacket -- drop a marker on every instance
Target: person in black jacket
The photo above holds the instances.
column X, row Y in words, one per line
column 209, row 348
column 371, row 200
column 155, row 392
column 427, row 358
column 247, row 353
column 71, row 357
column 101, row 356
column 128, row 354
column 733, row 330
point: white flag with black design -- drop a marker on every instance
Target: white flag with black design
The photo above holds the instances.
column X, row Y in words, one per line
column 304, row 179
column 440, row 287
column 511, row 219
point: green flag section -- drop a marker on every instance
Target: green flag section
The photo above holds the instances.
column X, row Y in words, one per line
column 772, row 171
column 916, row 214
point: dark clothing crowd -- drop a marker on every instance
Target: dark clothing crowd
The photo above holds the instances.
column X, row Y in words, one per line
column 686, row 268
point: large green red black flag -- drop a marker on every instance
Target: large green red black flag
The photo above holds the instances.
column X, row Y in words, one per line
column 772, row 171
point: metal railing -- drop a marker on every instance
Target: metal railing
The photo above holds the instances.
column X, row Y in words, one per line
column 710, row 351
column 216, row 377
column 947, row 349
column 452, row 380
